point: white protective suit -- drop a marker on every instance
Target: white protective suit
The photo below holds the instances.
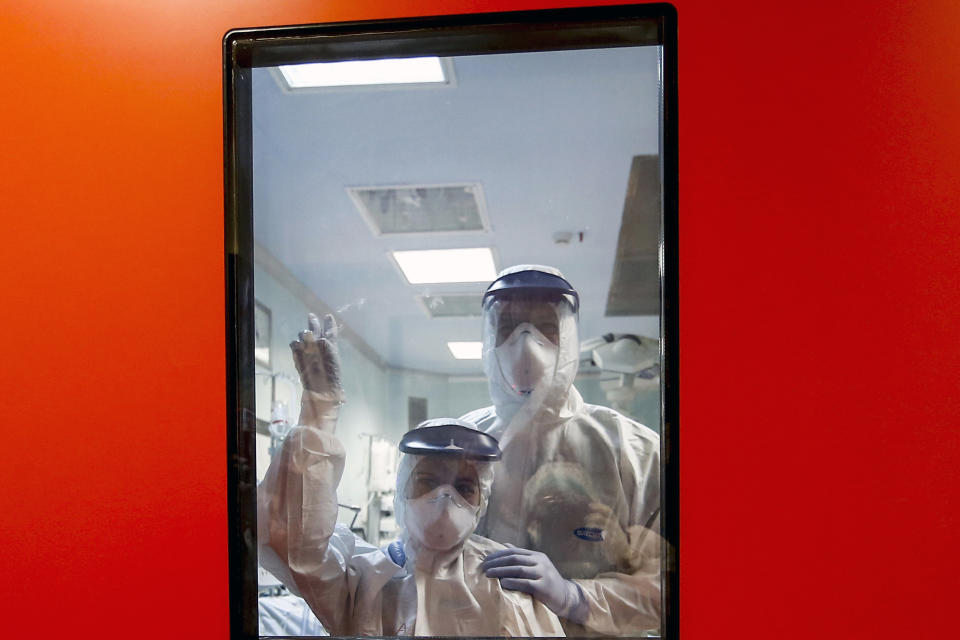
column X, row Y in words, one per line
column 578, row 482
column 355, row 588
column 287, row 615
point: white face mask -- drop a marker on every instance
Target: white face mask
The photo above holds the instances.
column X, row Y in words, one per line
column 441, row 519
column 526, row 358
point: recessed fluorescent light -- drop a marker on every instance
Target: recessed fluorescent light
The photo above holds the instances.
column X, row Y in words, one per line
column 353, row 73
column 441, row 266
column 466, row 350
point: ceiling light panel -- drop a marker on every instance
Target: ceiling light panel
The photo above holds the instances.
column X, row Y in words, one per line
column 466, row 350
column 415, row 209
column 445, row 266
column 357, row 73
column 453, row 305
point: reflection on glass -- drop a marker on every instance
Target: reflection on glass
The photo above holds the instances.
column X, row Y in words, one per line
column 354, row 73
column 539, row 158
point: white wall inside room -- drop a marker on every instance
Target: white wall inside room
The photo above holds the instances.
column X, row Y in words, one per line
column 468, row 394
column 365, row 384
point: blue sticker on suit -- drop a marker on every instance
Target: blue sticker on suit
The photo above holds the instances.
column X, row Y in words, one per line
column 590, row 534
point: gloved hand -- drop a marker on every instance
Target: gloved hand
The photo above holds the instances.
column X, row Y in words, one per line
column 317, row 360
column 532, row 572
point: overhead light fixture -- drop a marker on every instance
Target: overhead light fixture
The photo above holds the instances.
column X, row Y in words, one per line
column 466, row 350
column 445, row 266
column 355, row 73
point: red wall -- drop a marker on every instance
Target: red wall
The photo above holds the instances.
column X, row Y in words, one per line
column 820, row 253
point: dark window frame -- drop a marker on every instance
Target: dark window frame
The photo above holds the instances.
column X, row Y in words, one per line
column 244, row 49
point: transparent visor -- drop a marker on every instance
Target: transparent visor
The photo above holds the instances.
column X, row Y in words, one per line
column 435, row 471
column 506, row 312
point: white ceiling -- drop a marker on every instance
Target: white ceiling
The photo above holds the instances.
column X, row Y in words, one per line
column 549, row 136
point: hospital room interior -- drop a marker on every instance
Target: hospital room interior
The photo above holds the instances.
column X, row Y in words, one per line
column 547, row 158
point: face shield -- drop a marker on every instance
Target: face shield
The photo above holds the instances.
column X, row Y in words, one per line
column 531, row 346
column 523, row 332
column 443, row 482
column 433, row 474
column 442, row 500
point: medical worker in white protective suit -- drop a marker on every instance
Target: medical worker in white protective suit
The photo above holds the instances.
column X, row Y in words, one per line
column 428, row 583
column 578, row 488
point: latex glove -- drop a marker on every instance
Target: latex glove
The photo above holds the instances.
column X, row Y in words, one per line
column 532, row 572
column 317, row 360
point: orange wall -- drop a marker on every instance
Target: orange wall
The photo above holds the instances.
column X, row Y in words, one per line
column 820, row 258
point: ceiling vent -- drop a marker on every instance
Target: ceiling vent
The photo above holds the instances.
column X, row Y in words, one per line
column 422, row 209
column 452, row 305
